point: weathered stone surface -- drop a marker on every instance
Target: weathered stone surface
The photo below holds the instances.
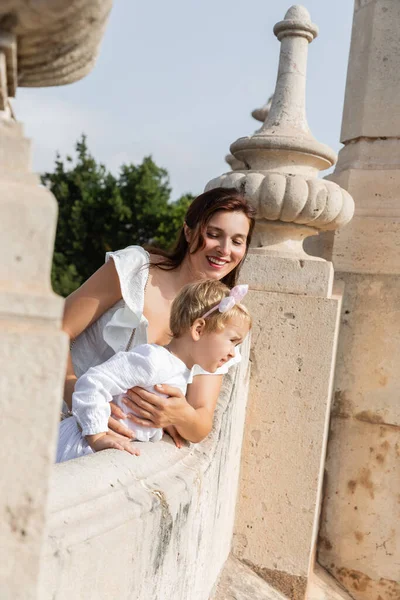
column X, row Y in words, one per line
column 360, row 520
column 58, row 41
column 367, row 380
column 154, row 526
column 238, row 582
column 372, row 101
column 371, row 243
column 287, row 275
column 33, row 354
column 321, row 586
column 293, row 350
column 361, row 514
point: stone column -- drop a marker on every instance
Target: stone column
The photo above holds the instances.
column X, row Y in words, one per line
column 360, row 525
column 32, row 349
column 296, row 315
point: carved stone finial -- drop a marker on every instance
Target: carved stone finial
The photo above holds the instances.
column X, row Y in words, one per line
column 234, row 163
column 260, row 114
column 282, row 159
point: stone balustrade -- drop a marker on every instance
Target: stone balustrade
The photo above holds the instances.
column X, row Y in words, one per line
column 155, row 526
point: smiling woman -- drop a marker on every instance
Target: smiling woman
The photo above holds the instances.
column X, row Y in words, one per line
column 127, row 302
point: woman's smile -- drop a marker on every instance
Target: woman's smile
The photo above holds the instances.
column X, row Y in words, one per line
column 216, row 262
column 224, row 244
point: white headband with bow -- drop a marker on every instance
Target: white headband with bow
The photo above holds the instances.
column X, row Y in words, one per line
column 236, row 295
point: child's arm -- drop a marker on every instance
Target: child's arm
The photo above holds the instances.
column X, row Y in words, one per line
column 202, row 396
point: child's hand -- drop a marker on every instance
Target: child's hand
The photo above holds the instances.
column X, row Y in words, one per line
column 103, row 441
column 178, row 439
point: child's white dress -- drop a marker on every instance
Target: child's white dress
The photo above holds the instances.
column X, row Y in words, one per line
column 145, row 366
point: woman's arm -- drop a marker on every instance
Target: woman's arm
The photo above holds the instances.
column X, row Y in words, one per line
column 84, row 306
column 192, row 416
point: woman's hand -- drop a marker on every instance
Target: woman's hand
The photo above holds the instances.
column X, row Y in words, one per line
column 152, row 410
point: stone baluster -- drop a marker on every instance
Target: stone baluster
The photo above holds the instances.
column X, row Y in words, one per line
column 32, row 351
column 296, row 315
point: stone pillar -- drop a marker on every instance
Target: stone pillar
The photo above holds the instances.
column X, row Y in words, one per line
column 32, row 349
column 360, row 525
column 296, row 316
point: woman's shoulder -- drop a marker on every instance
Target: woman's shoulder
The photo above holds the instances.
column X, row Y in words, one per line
column 132, row 266
column 136, row 255
column 131, row 254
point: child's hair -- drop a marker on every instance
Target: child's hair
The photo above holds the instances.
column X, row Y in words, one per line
column 195, row 299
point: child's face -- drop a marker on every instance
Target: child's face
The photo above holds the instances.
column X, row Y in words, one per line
column 214, row 349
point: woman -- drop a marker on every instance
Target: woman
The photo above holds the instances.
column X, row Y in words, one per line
column 127, row 302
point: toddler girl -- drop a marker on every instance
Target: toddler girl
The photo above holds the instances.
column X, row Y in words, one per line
column 207, row 322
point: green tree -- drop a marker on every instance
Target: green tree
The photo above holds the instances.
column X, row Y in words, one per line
column 99, row 212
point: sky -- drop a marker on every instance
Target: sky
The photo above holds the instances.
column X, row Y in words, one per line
column 178, row 80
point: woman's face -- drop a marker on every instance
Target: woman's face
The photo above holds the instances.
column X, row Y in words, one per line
column 225, row 245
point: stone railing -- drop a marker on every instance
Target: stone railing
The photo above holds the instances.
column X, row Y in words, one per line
column 157, row 526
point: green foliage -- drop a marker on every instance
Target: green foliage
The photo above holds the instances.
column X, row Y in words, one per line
column 99, row 212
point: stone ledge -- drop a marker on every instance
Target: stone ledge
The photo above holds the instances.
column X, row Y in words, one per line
column 238, row 582
column 127, row 527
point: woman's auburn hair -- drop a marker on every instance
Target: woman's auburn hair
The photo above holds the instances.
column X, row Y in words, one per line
column 197, row 217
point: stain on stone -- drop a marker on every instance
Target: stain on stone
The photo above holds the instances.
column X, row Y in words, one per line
column 18, row 517
column 380, row 458
column 351, row 486
column 256, row 434
column 185, row 511
column 324, row 542
column 365, row 481
column 289, row 315
column 385, row 446
column 294, row 587
column 359, row 536
column 342, row 405
column 356, row 581
column 165, row 533
column 383, row 379
column 368, row 416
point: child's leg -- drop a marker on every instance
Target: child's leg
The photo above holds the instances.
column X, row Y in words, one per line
column 71, row 442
